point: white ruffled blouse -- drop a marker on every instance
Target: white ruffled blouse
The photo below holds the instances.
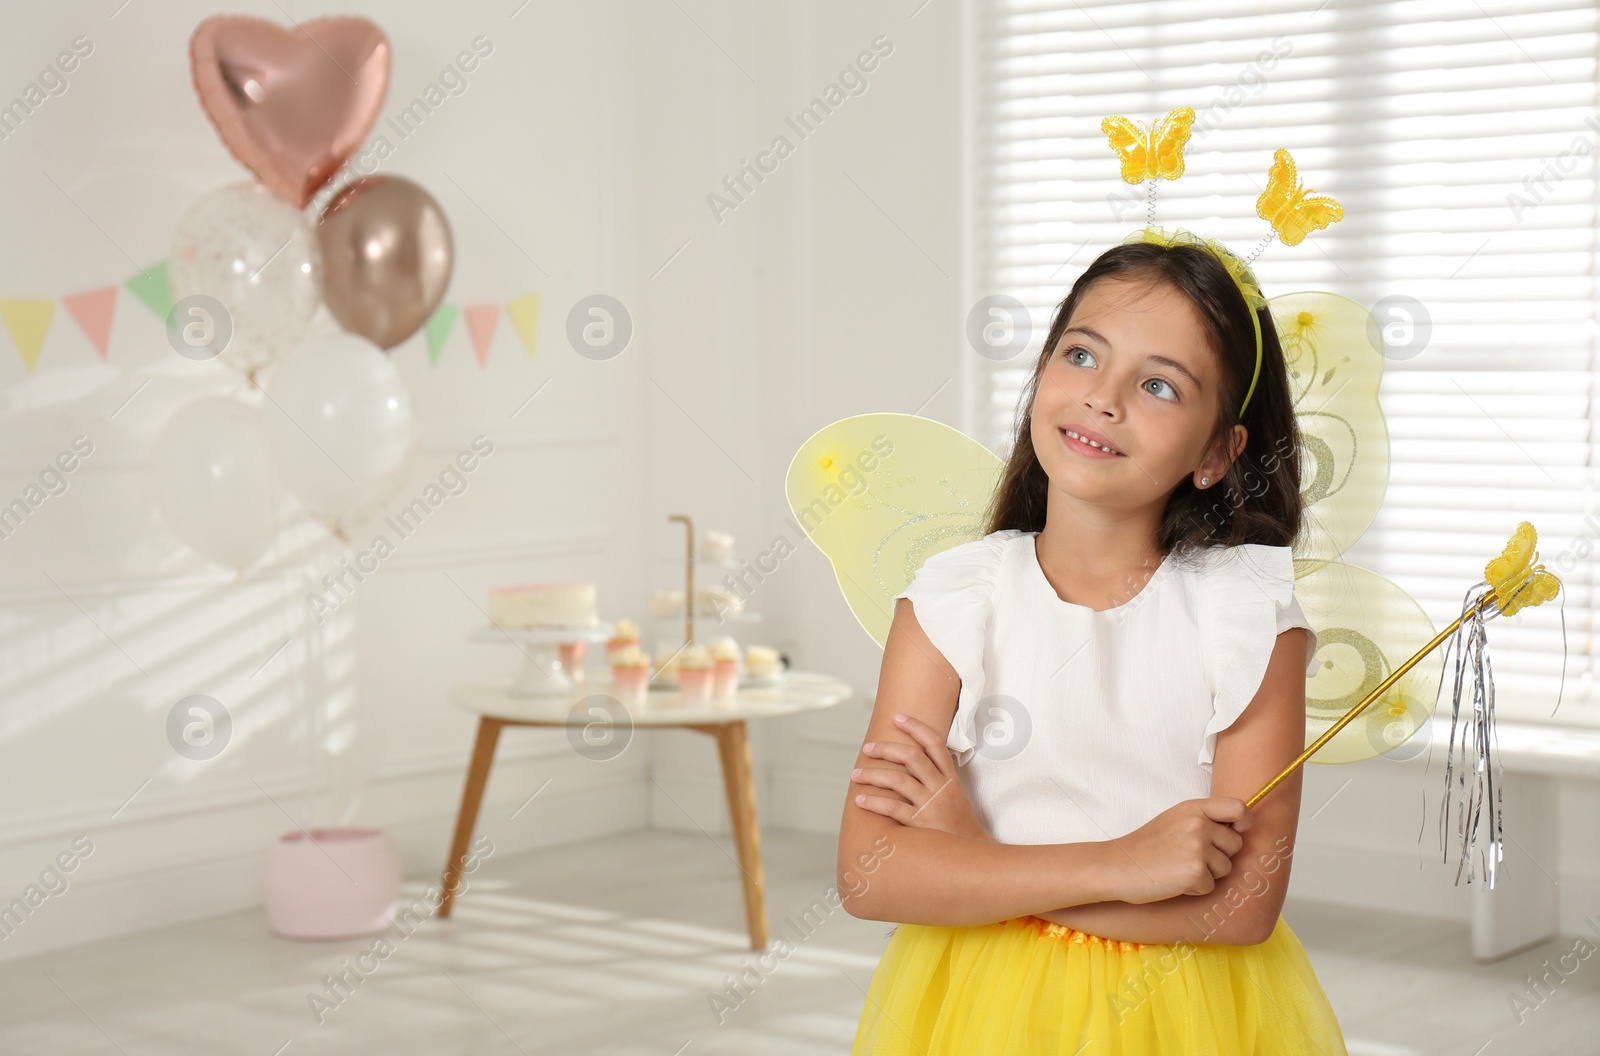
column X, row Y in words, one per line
column 1093, row 722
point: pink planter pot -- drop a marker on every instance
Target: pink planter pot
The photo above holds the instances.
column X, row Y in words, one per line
column 345, row 884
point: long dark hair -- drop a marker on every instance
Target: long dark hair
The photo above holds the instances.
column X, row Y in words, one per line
column 1258, row 498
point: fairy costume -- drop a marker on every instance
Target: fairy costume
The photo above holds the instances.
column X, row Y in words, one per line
column 1102, row 762
column 1087, row 744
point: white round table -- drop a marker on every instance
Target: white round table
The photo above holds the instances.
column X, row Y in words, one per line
column 592, row 706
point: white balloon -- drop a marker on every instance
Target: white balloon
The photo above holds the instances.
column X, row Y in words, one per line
column 254, row 254
column 338, row 420
column 215, row 482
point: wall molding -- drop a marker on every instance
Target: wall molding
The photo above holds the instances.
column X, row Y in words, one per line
column 455, row 760
column 155, row 805
column 420, row 555
column 441, row 439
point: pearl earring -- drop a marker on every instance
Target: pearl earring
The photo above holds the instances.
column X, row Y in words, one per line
column 1204, row 481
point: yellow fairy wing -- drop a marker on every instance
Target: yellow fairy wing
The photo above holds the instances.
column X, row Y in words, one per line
column 1334, row 370
column 1366, row 628
column 881, row 493
column 1366, row 625
column 1132, row 146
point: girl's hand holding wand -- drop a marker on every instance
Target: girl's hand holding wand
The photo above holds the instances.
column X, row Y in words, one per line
column 930, row 794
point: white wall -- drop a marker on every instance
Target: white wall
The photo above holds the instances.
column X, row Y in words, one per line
column 109, row 619
column 578, row 161
column 809, row 301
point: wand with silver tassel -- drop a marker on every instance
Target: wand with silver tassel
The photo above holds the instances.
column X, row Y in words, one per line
column 1513, row 581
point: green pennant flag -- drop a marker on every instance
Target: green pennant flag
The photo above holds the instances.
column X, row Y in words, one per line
column 438, row 328
column 150, row 286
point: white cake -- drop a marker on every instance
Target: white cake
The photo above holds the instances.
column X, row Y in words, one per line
column 565, row 604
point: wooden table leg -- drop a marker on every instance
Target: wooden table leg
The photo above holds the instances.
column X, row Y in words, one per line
column 471, row 800
column 733, row 744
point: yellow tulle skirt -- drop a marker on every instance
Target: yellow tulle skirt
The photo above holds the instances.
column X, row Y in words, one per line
column 1029, row 986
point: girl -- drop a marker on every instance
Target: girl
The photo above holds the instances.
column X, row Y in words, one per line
column 1117, row 665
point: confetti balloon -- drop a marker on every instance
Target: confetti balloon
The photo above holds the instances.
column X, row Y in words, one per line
column 258, row 260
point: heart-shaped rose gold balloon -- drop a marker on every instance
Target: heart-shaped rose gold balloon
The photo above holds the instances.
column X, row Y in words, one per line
column 291, row 104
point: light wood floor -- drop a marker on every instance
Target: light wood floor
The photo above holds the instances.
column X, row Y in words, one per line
column 614, row 947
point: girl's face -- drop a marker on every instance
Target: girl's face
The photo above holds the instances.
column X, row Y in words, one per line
column 1132, row 368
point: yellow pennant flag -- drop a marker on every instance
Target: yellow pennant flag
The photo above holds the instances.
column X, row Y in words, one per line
column 524, row 313
column 28, row 321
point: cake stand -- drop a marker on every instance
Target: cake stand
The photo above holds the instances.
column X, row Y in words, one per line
column 543, row 674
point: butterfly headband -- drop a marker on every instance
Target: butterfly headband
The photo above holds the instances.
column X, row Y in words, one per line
column 1155, row 152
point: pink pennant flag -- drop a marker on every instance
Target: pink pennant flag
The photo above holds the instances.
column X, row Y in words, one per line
column 481, row 321
column 93, row 310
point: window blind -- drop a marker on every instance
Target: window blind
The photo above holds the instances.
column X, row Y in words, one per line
column 1462, row 139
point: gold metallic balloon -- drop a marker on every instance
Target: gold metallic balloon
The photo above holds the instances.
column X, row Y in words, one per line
column 387, row 256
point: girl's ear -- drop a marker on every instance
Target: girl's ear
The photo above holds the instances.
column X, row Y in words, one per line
column 1217, row 463
column 1240, row 437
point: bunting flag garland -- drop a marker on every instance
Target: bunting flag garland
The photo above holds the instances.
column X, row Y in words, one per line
column 93, row 310
column 524, row 313
column 481, row 322
column 438, row 328
column 27, row 320
column 151, row 288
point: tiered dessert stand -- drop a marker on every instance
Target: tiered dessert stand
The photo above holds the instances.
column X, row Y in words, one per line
column 691, row 606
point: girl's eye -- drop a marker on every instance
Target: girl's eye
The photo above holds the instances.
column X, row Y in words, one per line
column 1070, row 353
column 1163, row 381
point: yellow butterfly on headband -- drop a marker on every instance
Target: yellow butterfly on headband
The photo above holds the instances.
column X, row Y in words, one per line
column 1517, row 582
column 1293, row 211
column 1153, row 153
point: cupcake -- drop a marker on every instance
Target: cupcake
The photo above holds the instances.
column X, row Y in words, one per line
column 695, row 674
column 725, row 667
column 630, row 671
column 625, row 634
column 762, row 661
